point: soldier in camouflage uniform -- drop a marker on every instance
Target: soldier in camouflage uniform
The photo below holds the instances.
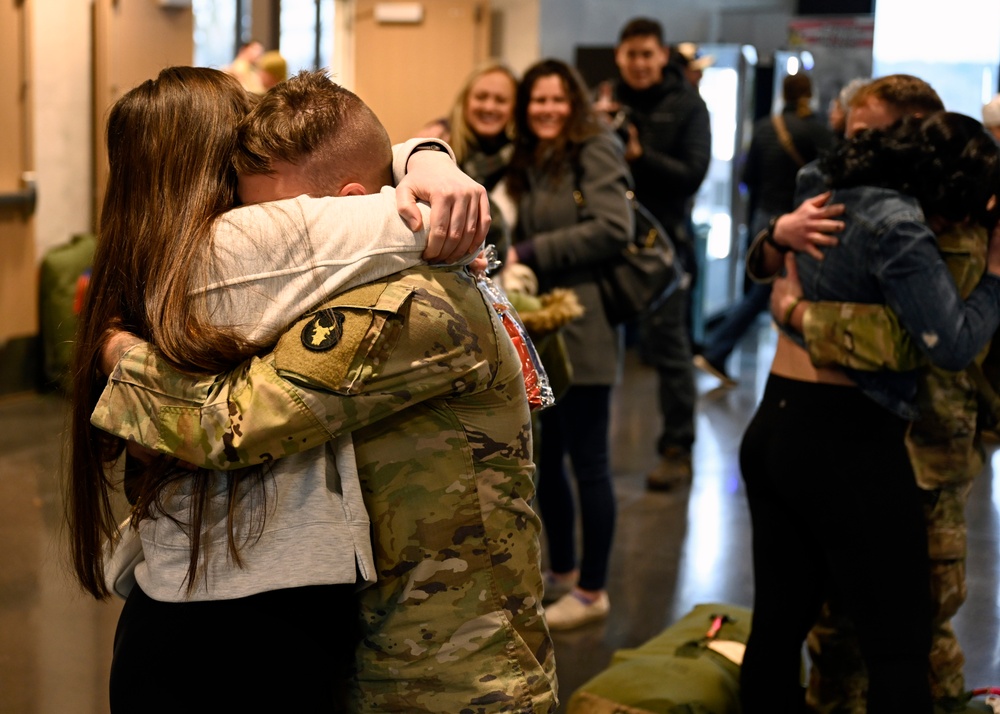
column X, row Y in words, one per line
column 946, row 455
column 419, row 369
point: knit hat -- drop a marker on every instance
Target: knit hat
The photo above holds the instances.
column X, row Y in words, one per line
column 991, row 112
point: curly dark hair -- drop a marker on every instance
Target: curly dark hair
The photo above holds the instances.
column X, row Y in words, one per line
column 946, row 161
column 582, row 124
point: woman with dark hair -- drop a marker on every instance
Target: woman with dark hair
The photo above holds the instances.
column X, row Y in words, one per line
column 159, row 246
column 569, row 178
column 835, row 508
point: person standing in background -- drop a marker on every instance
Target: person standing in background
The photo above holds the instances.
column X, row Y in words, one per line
column 244, row 66
column 271, row 69
column 570, row 180
column 839, row 106
column 665, row 124
column 691, row 61
column 782, row 144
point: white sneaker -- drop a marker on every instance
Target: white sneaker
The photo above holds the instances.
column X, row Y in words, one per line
column 555, row 588
column 569, row 611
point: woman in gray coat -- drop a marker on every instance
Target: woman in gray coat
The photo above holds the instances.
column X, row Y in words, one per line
column 569, row 178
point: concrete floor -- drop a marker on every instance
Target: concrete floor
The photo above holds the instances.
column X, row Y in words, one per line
column 672, row 550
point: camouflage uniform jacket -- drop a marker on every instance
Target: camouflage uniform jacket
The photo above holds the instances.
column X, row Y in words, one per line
column 941, row 440
column 419, row 368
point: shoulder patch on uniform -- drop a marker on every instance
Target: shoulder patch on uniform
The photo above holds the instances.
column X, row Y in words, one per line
column 323, row 331
column 363, row 296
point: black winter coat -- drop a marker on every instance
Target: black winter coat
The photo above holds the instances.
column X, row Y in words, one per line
column 676, row 137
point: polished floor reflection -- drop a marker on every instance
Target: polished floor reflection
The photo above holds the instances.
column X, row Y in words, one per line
column 672, row 550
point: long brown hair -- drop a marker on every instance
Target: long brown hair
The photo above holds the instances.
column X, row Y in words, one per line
column 581, row 124
column 170, row 146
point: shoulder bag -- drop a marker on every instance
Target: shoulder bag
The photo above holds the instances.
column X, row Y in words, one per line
column 644, row 274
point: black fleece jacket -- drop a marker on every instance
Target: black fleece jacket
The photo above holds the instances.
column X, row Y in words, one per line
column 675, row 134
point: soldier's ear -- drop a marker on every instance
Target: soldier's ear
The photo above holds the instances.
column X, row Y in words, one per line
column 352, row 189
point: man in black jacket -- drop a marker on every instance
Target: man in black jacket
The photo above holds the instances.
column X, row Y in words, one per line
column 665, row 126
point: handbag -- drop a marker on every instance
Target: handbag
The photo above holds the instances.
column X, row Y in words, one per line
column 644, row 274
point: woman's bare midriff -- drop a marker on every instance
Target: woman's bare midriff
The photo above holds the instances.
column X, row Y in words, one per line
column 793, row 362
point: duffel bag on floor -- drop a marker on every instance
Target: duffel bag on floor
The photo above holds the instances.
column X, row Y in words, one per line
column 693, row 667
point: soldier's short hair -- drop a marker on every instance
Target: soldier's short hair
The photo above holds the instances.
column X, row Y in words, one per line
column 907, row 94
column 313, row 123
column 641, row 27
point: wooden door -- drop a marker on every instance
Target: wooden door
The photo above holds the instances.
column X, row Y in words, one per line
column 18, row 272
column 409, row 74
column 133, row 41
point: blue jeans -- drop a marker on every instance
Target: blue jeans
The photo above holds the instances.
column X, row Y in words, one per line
column 739, row 318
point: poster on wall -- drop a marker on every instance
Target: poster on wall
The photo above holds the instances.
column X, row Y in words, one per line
column 841, row 48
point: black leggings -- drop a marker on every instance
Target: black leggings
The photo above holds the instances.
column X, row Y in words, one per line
column 285, row 650
column 579, row 426
column 836, row 514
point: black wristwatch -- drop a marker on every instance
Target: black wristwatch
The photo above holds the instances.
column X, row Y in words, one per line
column 769, row 236
column 427, row 146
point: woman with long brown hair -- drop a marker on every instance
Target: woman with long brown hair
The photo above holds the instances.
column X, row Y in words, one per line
column 569, row 177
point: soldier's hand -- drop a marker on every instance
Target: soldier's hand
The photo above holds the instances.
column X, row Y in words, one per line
column 116, row 344
column 786, row 296
column 810, row 226
column 460, row 209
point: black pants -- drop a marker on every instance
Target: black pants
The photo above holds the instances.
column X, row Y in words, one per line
column 836, row 513
column 579, row 426
column 285, row 650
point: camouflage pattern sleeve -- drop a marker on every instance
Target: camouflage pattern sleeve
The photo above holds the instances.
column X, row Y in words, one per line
column 374, row 351
column 331, row 373
column 869, row 337
column 244, row 417
column 860, row 336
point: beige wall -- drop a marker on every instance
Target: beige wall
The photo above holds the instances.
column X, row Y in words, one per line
column 409, row 74
column 516, row 30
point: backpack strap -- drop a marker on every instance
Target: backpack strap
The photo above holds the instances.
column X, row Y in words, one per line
column 778, row 121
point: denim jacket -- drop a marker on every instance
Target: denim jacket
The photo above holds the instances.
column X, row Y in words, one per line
column 887, row 255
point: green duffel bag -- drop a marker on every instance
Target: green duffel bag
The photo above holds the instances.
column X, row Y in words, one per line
column 63, row 281
column 690, row 668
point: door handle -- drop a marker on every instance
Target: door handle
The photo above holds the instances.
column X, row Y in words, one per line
column 25, row 199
